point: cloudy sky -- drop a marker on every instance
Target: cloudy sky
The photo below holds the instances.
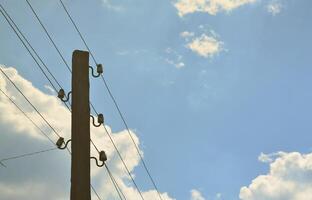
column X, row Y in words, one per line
column 215, row 92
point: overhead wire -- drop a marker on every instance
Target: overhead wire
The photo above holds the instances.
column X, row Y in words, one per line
column 54, row 44
column 92, row 106
column 26, row 155
column 29, row 154
column 49, row 36
column 10, row 20
column 20, row 35
column 119, row 191
column 24, row 113
column 113, row 99
column 38, row 112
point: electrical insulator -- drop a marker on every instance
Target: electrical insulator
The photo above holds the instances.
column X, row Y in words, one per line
column 99, row 68
column 103, row 156
column 100, row 119
column 61, row 94
column 60, row 142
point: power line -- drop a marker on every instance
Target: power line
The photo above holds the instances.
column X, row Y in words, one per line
column 39, row 64
column 17, row 28
column 123, row 162
column 49, row 36
column 71, row 19
column 27, row 154
column 17, row 88
column 55, row 46
column 119, row 191
column 114, row 100
column 10, row 21
column 20, row 109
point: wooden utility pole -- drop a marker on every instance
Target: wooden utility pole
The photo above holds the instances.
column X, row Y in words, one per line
column 80, row 164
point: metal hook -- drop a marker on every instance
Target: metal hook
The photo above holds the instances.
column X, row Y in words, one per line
column 96, row 161
column 102, row 157
column 61, row 95
column 99, row 70
column 100, row 120
column 60, row 142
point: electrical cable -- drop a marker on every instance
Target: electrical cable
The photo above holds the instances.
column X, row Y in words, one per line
column 49, row 36
column 17, row 88
column 10, row 21
column 27, row 154
column 21, row 110
column 114, row 100
column 119, row 191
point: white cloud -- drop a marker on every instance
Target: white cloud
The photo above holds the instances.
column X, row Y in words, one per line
column 274, row 7
column 175, row 60
column 50, row 181
column 206, row 45
column 108, row 4
column 208, row 6
column 196, row 195
column 289, row 178
column 187, row 34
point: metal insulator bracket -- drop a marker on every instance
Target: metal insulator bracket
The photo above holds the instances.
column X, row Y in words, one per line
column 60, row 143
column 100, row 120
column 102, row 158
column 61, row 95
column 99, row 70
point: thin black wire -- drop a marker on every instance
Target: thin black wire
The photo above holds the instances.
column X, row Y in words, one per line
column 93, row 189
column 49, row 36
column 55, row 46
column 20, row 109
column 71, row 19
column 1, row 161
column 17, row 28
column 119, row 191
column 123, row 162
column 119, row 155
column 29, row 102
column 129, row 133
column 10, row 21
column 114, row 100
column 27, row 154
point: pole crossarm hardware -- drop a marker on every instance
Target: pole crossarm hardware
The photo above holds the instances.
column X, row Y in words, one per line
column 60, row 142
column 102, row 157
column 61, row 95
column 99, row 70
column 100, row 120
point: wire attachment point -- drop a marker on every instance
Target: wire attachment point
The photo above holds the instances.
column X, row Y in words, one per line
column 100, row 120
column 61, row 95
column 60, row 143
column 102, row 157
column 99, row 70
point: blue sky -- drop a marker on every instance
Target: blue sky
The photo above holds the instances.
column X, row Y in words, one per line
column 205, row 91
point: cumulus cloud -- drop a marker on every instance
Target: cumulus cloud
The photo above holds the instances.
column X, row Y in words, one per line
column 50, row 180
column 187, row 34
column 274, row 7
column 174, row 58
column 208, row 6
column 196, row 195
column 289, row 178
column 206, row 45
